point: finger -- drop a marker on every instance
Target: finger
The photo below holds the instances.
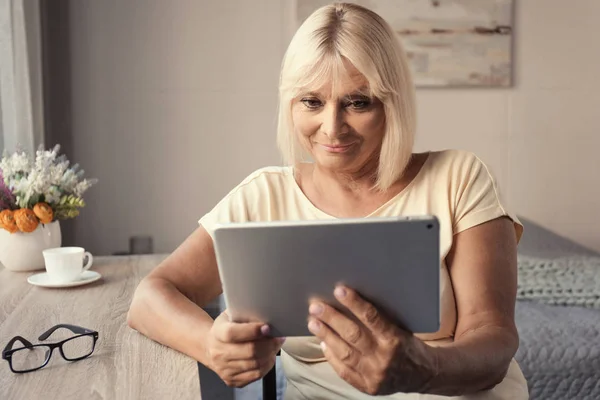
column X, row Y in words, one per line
column 250, row 350
column 248, row 376
column 347, row 329
column 343, row 370
column 268, row 347
column 243, row 379
column 337, row 346
column 234, row 332
column 267, row 364
column 366, row 312
column 265, row 328
column 237, row 367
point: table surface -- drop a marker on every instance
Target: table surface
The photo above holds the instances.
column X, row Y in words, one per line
column 124, row 365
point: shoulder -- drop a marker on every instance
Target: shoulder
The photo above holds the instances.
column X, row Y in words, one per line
column 267, row 175
column 455, row 158
column 473, row 193
column 459, row 171
column 264, row 179
column 457, row 165
column 249, row 199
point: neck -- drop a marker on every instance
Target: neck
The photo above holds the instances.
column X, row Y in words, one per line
column 359, row 181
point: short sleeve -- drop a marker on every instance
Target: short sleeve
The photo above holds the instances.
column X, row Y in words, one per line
column 236, row 206
column 477, row 199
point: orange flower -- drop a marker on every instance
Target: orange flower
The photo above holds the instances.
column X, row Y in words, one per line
column 44, row 212
column 7, row 219
column 26, row 220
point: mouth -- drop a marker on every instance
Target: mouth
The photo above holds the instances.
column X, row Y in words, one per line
column 337, row 148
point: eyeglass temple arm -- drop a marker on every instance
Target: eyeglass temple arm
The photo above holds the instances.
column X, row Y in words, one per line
column 12, row 342
column 72, row 328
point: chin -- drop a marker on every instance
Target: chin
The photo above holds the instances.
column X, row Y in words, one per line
column 332, row 163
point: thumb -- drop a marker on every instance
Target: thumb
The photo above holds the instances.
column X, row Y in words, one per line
column 223, row 317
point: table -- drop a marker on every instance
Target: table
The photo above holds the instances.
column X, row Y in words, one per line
column 125, row 364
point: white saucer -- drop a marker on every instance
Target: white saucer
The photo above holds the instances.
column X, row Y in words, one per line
column 44, row 280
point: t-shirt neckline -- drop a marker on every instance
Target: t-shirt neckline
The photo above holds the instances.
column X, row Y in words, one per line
column 398, row 195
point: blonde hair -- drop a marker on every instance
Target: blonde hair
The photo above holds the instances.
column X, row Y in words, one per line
column 315, row 56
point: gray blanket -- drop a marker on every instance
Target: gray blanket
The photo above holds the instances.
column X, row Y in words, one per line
column 559, row 329
column 559, row 351
column 566, row 281
column 560, row 348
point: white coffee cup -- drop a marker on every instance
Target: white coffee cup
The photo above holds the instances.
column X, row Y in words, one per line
column 65, row 264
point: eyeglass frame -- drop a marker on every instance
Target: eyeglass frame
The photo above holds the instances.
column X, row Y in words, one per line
column 78, row 330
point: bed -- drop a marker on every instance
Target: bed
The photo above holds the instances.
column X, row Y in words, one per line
column 559, row 350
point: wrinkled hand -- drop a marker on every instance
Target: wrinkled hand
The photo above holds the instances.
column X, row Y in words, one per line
column 375, row 356
column 240, row 353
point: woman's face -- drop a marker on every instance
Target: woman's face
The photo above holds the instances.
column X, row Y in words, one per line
column 342, row 131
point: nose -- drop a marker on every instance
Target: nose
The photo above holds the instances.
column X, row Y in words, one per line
column 334, row 122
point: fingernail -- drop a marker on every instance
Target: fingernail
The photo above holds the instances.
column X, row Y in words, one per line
column 314, row 326
column 315, row 309
column 323, row 346
column 339, row 292
column 281, row 340
column 265, row 330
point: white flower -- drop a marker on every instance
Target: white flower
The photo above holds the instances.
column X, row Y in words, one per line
column 21, row 163
column 68, row 181
column 17, row 163
column 52, row 195
column 82, row 187
column 20, row 185
column 57, row 172
column 47, row 177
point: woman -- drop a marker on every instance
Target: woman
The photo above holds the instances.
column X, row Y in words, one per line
column 347, row 103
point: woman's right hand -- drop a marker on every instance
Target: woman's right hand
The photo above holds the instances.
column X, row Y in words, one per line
column 241, row 353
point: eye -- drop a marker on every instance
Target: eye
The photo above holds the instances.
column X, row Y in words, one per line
column 358, row 104
column 311, row 103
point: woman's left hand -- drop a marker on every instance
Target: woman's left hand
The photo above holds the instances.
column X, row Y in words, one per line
column 375, row 356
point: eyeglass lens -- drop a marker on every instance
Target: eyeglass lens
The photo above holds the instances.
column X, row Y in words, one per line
column 26, row 359
column 29, row 358
column 78, row 347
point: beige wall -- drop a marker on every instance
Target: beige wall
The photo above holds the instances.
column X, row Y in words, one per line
column 174, row 103
column 541, row 137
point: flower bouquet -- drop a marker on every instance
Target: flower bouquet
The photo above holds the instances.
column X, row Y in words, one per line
column 40, row 190
column 36, row 193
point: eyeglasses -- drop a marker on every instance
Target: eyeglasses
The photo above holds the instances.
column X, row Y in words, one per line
column 32, row 357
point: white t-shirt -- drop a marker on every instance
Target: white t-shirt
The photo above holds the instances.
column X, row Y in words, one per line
column 453, row 185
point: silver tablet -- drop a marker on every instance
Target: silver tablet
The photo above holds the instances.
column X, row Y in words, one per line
column 270, row 270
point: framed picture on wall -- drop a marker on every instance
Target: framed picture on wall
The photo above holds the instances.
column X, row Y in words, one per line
column 449, row 43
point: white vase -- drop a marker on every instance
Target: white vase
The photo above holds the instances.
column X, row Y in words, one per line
column 23, row 251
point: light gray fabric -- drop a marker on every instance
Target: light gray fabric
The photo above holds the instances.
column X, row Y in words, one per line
column 566, row 281
column 21, row 102
column 559, row 351
column 559, row 345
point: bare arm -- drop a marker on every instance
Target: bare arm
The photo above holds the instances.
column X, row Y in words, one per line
column 483, row 269
column 167, row 304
